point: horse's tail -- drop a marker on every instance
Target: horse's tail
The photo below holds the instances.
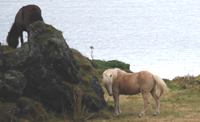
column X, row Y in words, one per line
column 161, row 84
column 35, row 15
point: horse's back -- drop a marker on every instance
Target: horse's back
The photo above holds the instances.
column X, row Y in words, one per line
column 134, row 83
column 145, row 75
column 31, row 13
column 27, row 15
column 136, row 77
column 35, row 14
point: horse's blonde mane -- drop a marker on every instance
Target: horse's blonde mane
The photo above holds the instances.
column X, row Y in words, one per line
column 114, row 72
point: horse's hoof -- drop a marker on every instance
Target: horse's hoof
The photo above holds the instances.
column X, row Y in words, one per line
column 140, row 115
column 115, row 115
column 156, row 113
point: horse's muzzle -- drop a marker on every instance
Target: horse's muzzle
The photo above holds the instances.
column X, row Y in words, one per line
column 110, row 94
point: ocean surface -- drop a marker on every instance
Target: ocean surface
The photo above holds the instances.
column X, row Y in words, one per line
column 161, row 36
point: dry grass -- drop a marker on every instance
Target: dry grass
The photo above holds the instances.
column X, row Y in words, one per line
column 175, row 106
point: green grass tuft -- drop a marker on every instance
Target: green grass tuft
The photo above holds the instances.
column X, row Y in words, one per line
column 112, row 64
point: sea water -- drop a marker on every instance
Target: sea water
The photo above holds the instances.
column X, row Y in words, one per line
column 161, row 36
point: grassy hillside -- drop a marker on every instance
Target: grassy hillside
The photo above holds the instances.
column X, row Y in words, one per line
column 180, row 103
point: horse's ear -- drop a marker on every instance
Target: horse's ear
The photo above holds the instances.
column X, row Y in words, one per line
column 118, row 72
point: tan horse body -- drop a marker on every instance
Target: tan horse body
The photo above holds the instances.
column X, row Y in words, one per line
column 142, row 82
column 25, row 16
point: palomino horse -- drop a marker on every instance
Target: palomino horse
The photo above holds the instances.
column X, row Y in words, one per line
column 25, row 16
column 133, row 83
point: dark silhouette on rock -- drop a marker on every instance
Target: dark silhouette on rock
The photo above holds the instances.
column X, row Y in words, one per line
column 25, row 16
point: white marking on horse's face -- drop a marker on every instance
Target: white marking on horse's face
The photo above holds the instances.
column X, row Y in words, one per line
column 109, row 89
column 107, row 80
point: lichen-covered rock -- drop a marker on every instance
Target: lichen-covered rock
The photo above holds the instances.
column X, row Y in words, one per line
column 50, row 69
column 23, row 110
column 27, row 109
column 12, row 85
column 100, row 101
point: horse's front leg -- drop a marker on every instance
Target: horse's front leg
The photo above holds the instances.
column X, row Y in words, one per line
column 119, row 111
column 116, row 103
column 21, row 38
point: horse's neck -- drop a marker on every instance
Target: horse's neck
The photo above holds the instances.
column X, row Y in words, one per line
column 13, row 30
column 114, row 77
column 115, row 81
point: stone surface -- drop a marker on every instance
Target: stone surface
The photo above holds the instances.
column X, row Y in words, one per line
column 12, row 85
column 45, row 70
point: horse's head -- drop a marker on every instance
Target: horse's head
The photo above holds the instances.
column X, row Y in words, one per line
column 107, row 80
column 12, row 40
column 119, row 70
column 109, row 76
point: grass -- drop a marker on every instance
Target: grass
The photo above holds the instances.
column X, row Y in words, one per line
column 8, row 49
column 180, row 103
column 76, row 104
column 112, row 64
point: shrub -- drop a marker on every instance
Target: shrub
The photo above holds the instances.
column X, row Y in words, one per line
column 112, row 64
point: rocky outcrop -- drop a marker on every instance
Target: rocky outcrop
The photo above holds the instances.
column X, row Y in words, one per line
column 12, row 85
column 99, row 103
column 29, row 109
column 45, row 70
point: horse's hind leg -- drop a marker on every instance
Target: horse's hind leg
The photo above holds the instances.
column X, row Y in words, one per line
column 145, row 98
column 157, row 99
